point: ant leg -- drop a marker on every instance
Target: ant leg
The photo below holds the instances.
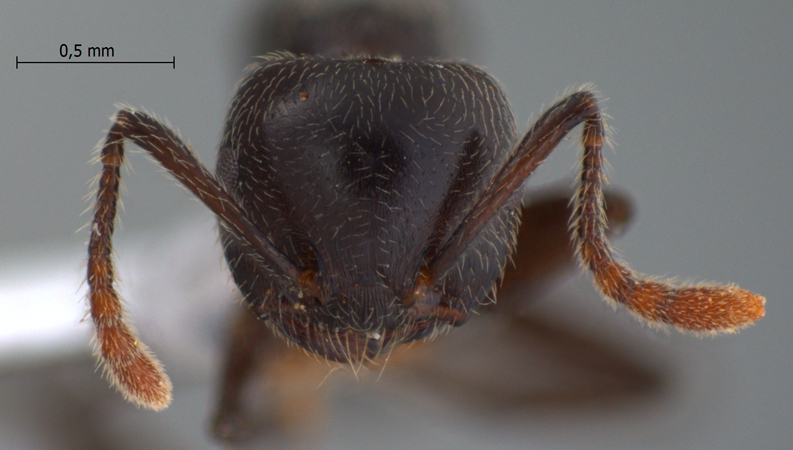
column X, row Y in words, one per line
column 128, row 363
column 568, row 368
column 267, row 386
column 249, row 339
column 543, row 254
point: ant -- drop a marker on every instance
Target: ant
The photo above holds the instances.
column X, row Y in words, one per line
column 370, row 201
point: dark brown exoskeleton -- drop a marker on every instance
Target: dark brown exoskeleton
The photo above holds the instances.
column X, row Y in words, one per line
column 366, row 202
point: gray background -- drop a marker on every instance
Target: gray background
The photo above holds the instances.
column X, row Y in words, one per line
column 701, row 101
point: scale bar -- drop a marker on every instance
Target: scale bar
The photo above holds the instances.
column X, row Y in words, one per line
column 172, row 62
